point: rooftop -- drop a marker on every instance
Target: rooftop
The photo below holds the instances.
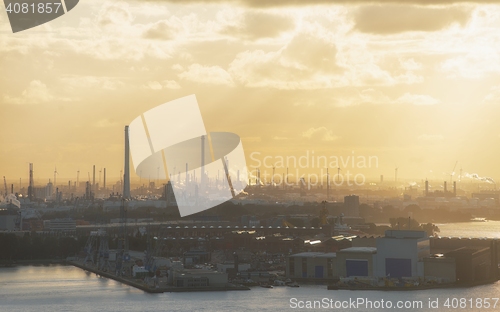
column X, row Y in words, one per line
column 310, row 254
column 371, row 250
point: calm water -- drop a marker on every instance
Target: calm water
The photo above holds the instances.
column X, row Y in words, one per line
column 66, row 288
column 470, row 229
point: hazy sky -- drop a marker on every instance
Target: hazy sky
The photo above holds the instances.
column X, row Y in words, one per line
column 414, row 83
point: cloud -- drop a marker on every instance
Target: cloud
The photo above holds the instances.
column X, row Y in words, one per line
column 117, row 15
column 94, row 82
column 377, row 97
column 401, row 18
column 207, row 75
column 166, row 84
column 278, row 3
column 417, row 99
column 321, row 133
column 431, row 137
column 163, row 30
column 306, row 62
column 36, row 93
column 493, row 96
column 481, row 61
column 255, row 25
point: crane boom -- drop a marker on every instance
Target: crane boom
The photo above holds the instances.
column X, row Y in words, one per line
column 453, row 172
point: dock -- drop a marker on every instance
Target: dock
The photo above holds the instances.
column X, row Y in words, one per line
column 153, row 290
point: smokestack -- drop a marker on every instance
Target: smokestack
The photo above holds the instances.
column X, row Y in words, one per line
column 202, row 160
column 93, row 179
column 12, row 188
column 455, row 188
column 104, row 185
column 126, row 175
column 187, row 177
column 445, row 188
column 426, row 188
column 31, row 184
column 87, row 190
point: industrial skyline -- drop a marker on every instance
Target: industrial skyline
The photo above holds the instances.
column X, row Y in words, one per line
column 415, row 85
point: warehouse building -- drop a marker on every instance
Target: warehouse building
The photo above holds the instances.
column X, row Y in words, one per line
column 472, row 264
column 401, row 253
column 356, row 261
column 440, row 269
column 312, row 266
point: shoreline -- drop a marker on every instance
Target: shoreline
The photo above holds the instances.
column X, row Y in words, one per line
column 15, row 263
column 422, row 287
column 148, row 289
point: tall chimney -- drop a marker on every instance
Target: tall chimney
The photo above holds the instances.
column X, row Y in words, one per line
column 104, row 185
column 426, row 188
column 31, row 184
column 455, row 188
column 93, row 179
column 445, row 189
column 187, row 177
column 126, row 175
column 202, row 160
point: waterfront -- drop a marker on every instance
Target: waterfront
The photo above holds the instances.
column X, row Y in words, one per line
column 490, row 229
column 67, row 288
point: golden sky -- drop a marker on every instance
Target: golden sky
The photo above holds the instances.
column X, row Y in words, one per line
column 414, row 83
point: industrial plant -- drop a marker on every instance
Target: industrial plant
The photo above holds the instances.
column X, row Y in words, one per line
column 267, row 235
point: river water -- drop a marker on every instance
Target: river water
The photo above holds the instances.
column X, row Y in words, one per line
column 66, row 288
column 488, row 229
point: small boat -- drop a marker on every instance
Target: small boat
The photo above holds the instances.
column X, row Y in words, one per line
column 266, row 286
column 478, row 220
column 294, row 284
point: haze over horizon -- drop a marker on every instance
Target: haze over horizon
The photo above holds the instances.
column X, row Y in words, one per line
column 414, row 83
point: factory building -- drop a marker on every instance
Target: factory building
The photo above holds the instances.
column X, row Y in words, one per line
column 8, row 218
column 357, row 261
column 312, row 265
column 440, row 269
column 401, row 253
column 472, row 264
column 351, row 205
